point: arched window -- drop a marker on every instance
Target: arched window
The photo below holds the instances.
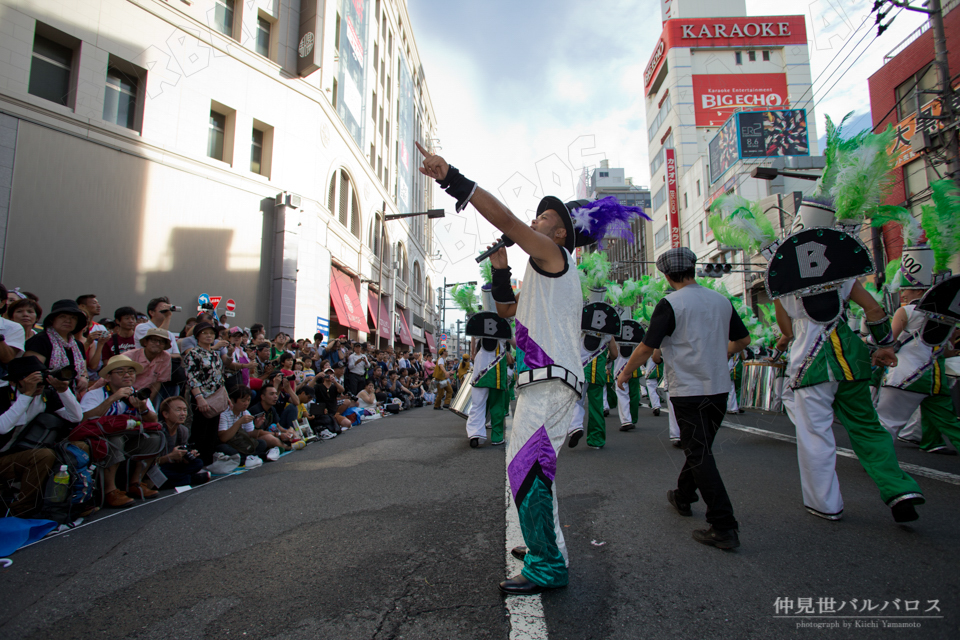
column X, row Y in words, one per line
column 343, row 202
column 402, row 263
column 417, row 279
column 428, row 293
column 378, row 240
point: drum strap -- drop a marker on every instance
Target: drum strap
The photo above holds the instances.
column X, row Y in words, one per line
column 550, row 372
column 818, row 344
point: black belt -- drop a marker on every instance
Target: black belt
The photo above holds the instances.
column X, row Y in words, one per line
column 550, row 372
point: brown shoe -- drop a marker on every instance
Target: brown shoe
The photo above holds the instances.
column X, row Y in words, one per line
column 119, row 500
column 141, row 491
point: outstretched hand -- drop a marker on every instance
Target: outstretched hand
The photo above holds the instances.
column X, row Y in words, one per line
column 433, row 166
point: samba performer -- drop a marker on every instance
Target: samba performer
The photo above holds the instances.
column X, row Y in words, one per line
column 810, row 275
column 924, row 327
column 547, row 330
column 625, row 297
column 599, row 323
column 490, row 393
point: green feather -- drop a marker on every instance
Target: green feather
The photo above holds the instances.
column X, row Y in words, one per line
column 910, row 227
column 941, row 222
column 864, row 177
column 738, row 222
column 486, row 272
column 465, row 298
column 595, row 268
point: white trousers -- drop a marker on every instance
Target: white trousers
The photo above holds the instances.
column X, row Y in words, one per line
column 895, row 409
column 732, row 402
column 606, row 403
column 811, row 410
column 623, row 404
column 672, row 419
column 576, row 421
column 652, row 393
column 477, row 420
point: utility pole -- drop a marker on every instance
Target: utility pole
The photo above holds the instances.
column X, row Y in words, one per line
column 443, row 305
column 458, row 337
column 946, row 90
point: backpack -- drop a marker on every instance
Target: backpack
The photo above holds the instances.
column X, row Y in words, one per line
column 82, row 486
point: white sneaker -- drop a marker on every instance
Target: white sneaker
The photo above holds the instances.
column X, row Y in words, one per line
column 327, row 435
column 273, row 454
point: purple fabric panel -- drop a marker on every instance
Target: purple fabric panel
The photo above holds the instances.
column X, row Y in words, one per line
column 533, row 355
column 536, row 449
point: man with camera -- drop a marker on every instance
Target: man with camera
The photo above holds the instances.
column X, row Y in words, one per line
column 181, row 465
column 155, row 359
column 118, row 397
column 33, row 391
column 357, row 363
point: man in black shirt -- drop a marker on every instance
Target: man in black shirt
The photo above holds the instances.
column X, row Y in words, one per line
column 697, row 330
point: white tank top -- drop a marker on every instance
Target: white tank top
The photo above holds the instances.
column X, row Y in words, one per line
column 548, row 322
column 912, row 355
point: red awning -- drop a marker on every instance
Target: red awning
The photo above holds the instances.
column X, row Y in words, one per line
column 384, row 330
column 430, row 342
column 405, row 336
column 343, row 292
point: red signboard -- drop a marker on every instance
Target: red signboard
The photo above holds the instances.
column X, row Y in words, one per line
column 674, row 210
column 748, row 32
column 231, row 305
column 718, row 97
column 215, row 301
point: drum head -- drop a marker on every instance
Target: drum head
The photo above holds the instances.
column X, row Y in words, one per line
column 631, row 332
column 935, row 333
column 592, row 343
column 627, row 350
column 488, row 344
column 823, row 307
column 600, row 317
column 815, row 258
column 488, row 324
column 943, row 299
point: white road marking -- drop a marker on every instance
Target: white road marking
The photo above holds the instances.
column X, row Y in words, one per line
column 527, row 621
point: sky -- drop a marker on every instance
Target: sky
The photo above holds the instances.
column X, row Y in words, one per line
column 528, row 93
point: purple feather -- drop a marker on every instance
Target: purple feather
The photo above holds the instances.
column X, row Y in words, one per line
column 606, row 218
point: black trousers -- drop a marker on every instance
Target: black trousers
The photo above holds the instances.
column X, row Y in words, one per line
column 699, row 419
column 353, row 382
column 203, row 432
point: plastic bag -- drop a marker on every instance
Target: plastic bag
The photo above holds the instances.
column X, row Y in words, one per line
column 223, row 464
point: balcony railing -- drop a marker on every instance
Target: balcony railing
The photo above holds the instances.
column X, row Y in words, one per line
column 906, row 42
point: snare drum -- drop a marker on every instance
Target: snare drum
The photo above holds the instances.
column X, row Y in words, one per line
column 762, row 386
column 462, row 401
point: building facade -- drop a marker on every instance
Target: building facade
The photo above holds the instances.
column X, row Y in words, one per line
column 900, row 91
column 711, row 62
column 628, row 258
column 244, row 149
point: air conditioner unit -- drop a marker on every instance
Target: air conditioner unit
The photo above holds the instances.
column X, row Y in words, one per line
column 286, row 199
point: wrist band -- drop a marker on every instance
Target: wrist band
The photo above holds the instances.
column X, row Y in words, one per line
column 458, row 187
column 500, row 287
column 882, row 332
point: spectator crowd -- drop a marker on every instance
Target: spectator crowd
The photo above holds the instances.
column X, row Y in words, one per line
column 144, row 408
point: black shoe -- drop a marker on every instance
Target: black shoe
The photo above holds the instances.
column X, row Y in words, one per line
column 683, row 508
column 941, row 449
column 728, row 539
column 904, row 510
column 741, row 411
column 627, row 427
column 518, row 585
column 656, row 412
column 474, row 443
column 575, row 438
column 606, row 412
column 675, row 442
column 438, row 408
column 519, row 552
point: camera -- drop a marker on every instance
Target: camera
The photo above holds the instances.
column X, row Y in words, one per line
column 189, row 457
column 175, row 308
column 142, row 394
column 63, row 374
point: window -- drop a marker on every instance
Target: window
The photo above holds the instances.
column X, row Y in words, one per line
column 373, row 109
column 698, row 187
column 417, row 279
column 910, row 91
column 752, row 56
column 342, row 200
column 388, row 89
column 50, row 70
column 688, row 239
column 660, row 237
column 256, row 151
column 381, row 120
column 223, row 16
column 120, row 97
column 215, row 135
column 373, row 156
column 660, row 197
column 661, row 155
column 376, row 56
column 380, row 167
column 738, row 57
column 402, row 262
column 604, row 174
column 766, row 56
column 701, row 231
column 686, row 205
column 661, row 116
column 333, row 97
column 375, row 242
column 263, row 37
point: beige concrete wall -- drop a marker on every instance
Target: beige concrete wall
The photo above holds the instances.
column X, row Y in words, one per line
column 87, row 219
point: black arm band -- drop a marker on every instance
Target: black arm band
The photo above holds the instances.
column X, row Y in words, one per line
column 458, row 187
column 500, row 287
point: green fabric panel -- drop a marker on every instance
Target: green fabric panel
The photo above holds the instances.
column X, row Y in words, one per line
column 612, row 399
column 853, row 408
column 489, row 379
column 633, row 386
column 543, row 563
column 596, row 375
column 938, row 419
column 596, row 424
column 497, row 401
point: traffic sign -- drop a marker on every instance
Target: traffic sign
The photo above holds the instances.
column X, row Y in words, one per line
column 229, row 314
column 203, row 299
column 215, row 301
column 231, row 305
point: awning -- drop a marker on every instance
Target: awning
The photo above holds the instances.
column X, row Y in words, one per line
column 405, row 336
column 343, row 292
column 384, row 330
column 430, row 342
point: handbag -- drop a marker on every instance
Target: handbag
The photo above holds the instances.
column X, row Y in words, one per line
column 217, row 403
column 45, row 430
column 243, row 442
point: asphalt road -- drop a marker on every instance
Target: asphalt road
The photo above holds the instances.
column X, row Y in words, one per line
column 396, row 530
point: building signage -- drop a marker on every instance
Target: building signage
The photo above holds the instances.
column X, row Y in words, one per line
column 309, row 54
column 909, row 127
column 727, row 33
column 722, row 150
column 771, row 134
column 717, row 97
column 405, row 156
column 672, row 197
column 351, row 72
